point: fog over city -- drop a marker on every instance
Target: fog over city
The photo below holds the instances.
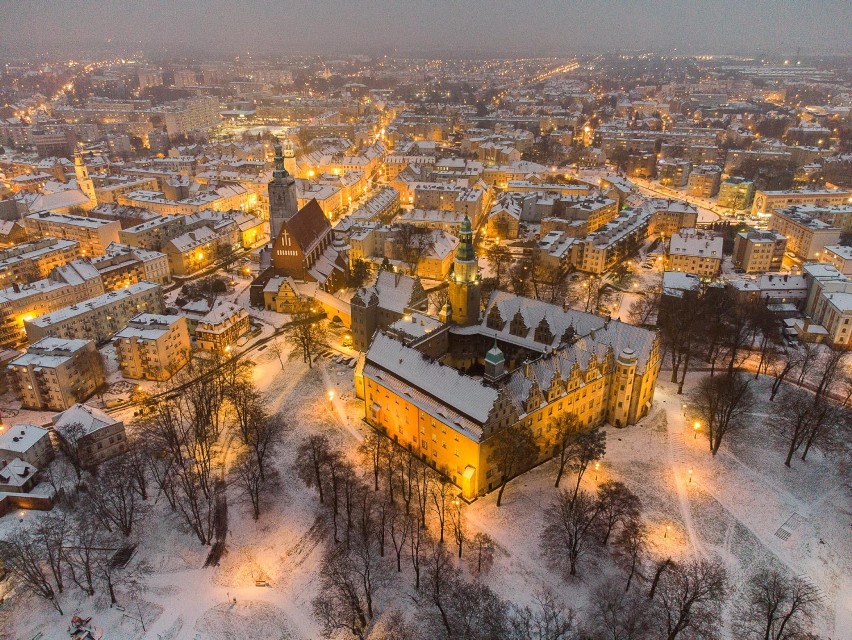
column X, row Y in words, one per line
column 480, row 27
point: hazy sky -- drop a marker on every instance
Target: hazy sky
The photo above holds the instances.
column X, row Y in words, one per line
column 434, row 26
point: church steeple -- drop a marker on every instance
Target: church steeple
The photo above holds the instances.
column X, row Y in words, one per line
column 283, row 197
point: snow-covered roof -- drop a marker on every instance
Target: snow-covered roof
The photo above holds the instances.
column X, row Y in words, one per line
column 468, row 396
column 20, row 438
column 91, row 418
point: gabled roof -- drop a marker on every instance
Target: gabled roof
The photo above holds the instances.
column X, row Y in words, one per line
column 308, row 226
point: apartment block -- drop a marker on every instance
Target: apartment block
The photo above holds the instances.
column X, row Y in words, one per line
column 153, row 347
column 759, row 251
column 704, row 181
column 34, row 260
column 26, row 442
column 55, row 373
column 736, row 194
column 93, row 234
column 767, row 201
column 807, row 236
column 694, row 251
column 100, row 318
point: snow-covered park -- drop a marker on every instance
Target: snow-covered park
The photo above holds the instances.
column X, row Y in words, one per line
column 742, row 506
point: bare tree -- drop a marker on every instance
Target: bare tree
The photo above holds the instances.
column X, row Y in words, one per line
column 25, row 560
column 631, row 543
column 311, row 457
column 115, row 496
column 776, row 607
column 394, row 626
column 618, row 506
column 643, row 310
column 781, row 363
column 568, row 525
column 413, row 242
column 245, row 473
column 279, row 349
column 566, row 425
column 340, row 604
column 372, row 450
column 585, row 447
column 689, row 600
column 722, row 402
column 457, row 523
column 400, row 523
column 71, row 442
column 483, row 558
column 418, row 539
column 308, row 332
column 514, row 450
column 440, row 493
column 499, row 258
column 549, row 620
column 616, row 614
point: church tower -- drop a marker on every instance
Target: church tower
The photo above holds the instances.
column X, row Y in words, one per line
column 283, row 201
column 289, row 158
column 464, row 289
column 84, row 182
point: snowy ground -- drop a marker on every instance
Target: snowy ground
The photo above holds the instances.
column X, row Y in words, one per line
column 733, row 507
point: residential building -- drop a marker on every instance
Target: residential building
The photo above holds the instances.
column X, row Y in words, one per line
column 807, row 236
column 767, row 201
column 26, row 442
column 99, row 318
column 759, row 251
column 25, row 263
column 695, row 251
column 704, row 181
column 93, row 234
column 153, row 347
column 55, row 373
column 124, row 265
column 96, row 436
column 840, row 257
column 674, row 173
column 736, row 193
column 220, row 329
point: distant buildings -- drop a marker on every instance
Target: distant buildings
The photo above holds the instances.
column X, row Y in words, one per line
column 704, row 181
column 55, row 373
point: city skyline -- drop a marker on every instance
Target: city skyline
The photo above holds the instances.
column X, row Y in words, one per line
column 441, row 28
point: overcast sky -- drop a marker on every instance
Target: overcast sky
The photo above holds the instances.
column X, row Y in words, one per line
column 433, row 26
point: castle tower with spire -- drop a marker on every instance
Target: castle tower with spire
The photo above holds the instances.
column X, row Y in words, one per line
column 84, row 182
column 283, row 200
column 464, row 289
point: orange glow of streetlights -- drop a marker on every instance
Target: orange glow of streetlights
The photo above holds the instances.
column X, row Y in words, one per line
column 597, row 468
column 690, row 476
column 695, row 429
column 331, row 396
column 666, row 534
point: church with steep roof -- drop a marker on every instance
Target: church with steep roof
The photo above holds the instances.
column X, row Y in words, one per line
column 446, row 394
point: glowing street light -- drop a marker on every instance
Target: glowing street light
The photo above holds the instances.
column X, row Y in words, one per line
column 597, row 468
column 330, row 396
column 690, row 476
column 695, row 429
column 666, row 534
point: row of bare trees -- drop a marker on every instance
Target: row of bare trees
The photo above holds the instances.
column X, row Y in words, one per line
column 392, row 515
column 79, row 544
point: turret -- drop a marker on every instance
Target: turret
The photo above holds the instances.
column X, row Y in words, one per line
column 495, row 364
column 283, row 199
column 464, row 289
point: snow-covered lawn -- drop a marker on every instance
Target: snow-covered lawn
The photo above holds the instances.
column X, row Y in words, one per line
column 734, row 507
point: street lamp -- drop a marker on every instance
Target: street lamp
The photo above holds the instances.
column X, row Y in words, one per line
column 597, row 468
column 690, row 476
column 666, row 534
column 331, row 396
column 695, row 428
